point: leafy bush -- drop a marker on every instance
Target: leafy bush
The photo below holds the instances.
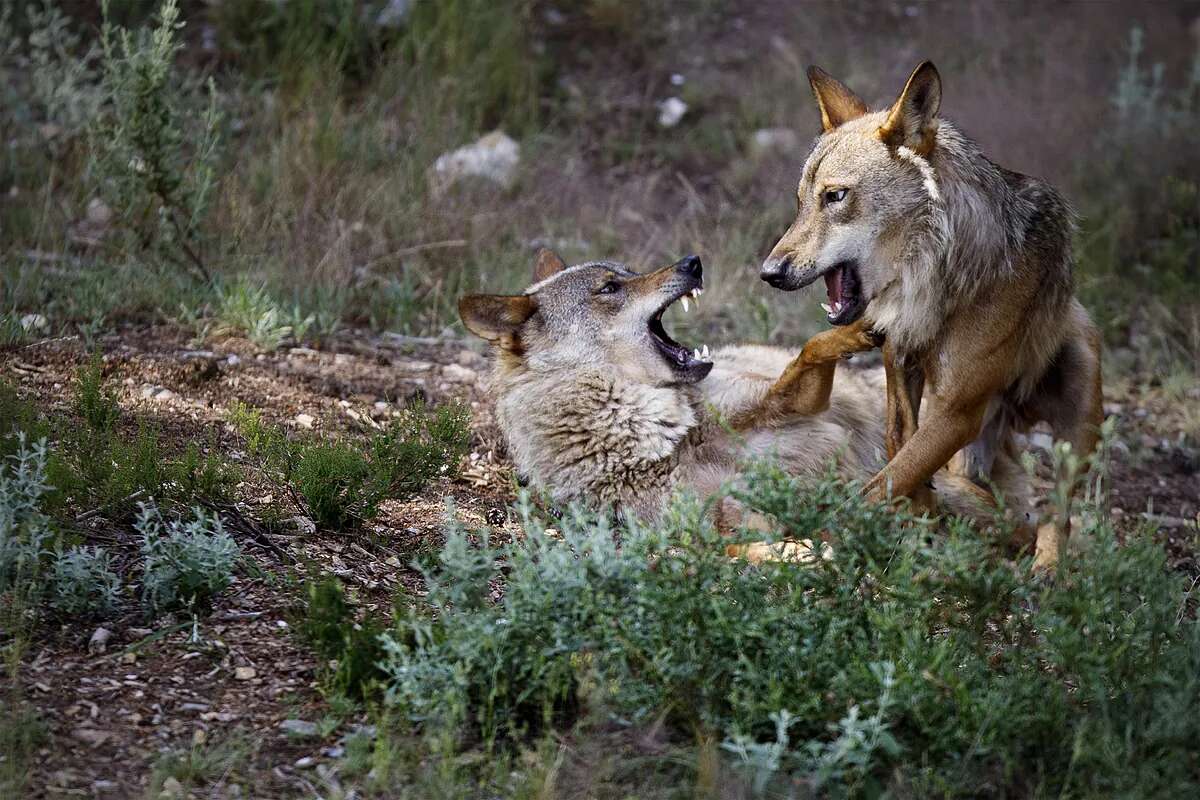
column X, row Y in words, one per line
column 82, row 583
column 907, row 662
column 340, row 483
column 93, row 401
column 186, row 563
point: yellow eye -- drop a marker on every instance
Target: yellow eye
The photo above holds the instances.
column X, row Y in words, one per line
column 832, row 196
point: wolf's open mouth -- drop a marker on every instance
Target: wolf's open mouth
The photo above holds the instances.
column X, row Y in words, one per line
column 693, row 363
column 844, row 288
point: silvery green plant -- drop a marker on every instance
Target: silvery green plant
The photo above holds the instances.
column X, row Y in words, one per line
column 25, row 531
column 186, row 562
column 82, row 583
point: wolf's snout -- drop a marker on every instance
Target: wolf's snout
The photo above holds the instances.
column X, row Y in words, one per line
column 775, row 271
column 690, row 266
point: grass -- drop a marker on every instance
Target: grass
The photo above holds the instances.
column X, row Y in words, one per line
column 210, row 765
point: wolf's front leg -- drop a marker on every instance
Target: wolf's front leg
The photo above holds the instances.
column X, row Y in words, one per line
column 905, row 385
column 804, row 387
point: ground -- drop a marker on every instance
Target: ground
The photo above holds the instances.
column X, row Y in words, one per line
column 111, row 710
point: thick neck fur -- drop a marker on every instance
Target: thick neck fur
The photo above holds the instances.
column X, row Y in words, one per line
column 590, row 435
column 966, row 236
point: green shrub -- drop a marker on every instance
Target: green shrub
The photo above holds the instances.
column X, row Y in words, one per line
column 93, row 401
column 186, row 563
column 25, row 530
column 82, row 584
column 342, row 482
column 910, row 661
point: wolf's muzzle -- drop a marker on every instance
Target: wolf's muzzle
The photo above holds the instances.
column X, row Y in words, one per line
column 776, row 272
column 690, row 267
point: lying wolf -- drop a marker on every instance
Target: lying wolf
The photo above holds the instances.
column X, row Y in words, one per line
column 600, row 405
column 964, row 266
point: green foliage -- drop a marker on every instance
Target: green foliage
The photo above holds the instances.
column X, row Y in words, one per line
column 252, row 311
column 341, row 481
column 22, row 733
column 906, row 661
column 186, row 563
column 81, row 583
column 25, row 529
column 203, row 765
column 93, row 401
column 352, row 650
column 155, row 157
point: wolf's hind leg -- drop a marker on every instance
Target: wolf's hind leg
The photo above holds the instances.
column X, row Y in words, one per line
column 1070, row 398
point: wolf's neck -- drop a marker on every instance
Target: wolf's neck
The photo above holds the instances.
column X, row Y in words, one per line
column 961, row 243
column 589, row 436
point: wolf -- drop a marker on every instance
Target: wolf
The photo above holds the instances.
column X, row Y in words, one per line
column 600, row 405
column 966, row 270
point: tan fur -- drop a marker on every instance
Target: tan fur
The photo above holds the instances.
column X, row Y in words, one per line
column 967, row 271
column 591, row 414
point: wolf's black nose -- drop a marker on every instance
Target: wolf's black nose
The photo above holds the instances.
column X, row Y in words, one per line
column 774, row 271
column 690, row 266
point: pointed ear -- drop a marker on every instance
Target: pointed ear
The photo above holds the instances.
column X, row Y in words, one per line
column 837, row 103
column 495, row 316
column 548, row 262
column 912, row 122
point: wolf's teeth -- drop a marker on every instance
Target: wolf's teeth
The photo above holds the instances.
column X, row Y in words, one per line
column 685, row 304
column 704, row 352
column 696, row 353
column 825, row 306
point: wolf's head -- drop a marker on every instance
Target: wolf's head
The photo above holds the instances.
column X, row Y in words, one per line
column 598, row 314
column 867, row 181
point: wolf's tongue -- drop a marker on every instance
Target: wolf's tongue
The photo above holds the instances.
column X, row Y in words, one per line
column 833, row 285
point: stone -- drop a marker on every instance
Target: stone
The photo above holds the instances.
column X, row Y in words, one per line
column 171, row 789
column 305, row 420
column 394, row 14
column 99, row 641
column 671, row 111
column 244, row 673
column 163, row 395
column 34, row 322
column 299, row 727
column 98, row 212
column 494, row 158
column 305, row 763
column 90, row 736
column 766, row 141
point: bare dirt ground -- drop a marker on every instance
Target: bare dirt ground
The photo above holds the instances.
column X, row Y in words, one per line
column 162, row 685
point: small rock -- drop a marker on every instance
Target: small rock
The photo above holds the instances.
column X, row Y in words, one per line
column 233, row 359
column 171, row 789
column 150, row 390
column 305, row 763
column 193, row 707
column 305, row 420
column 90, row 736
column 677, row 79
column 34, row 322
column 1113, row 409
column 494, row 158
column 244, row 673
column 99, row 641
column 299, row 727
column 98, row 212
column 459, row 373
column 163, row 395
column 137, row 633
column 301, row 525
column 393, row 14
column 335, row 751
column 671, row 111
column 765, row 141
column 104, row 786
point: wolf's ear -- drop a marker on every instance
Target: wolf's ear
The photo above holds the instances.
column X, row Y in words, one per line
column 495, row 316
column 912, row 122
column 837, row 103
column 548, row 263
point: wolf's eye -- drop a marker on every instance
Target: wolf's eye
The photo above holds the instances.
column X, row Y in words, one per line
column 609, row 288
column 834, row 196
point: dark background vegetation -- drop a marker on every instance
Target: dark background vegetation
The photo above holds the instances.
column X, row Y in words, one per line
column 329, row 121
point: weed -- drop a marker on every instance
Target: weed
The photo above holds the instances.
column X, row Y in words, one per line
column 22, row 732
column 93, row 401
column 203, row 765
column 25, row 530
column 154, row 159
column 352, row 649
column 187, row 563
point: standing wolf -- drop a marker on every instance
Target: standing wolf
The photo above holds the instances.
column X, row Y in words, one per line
column 600, row 405
column 966, row 269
